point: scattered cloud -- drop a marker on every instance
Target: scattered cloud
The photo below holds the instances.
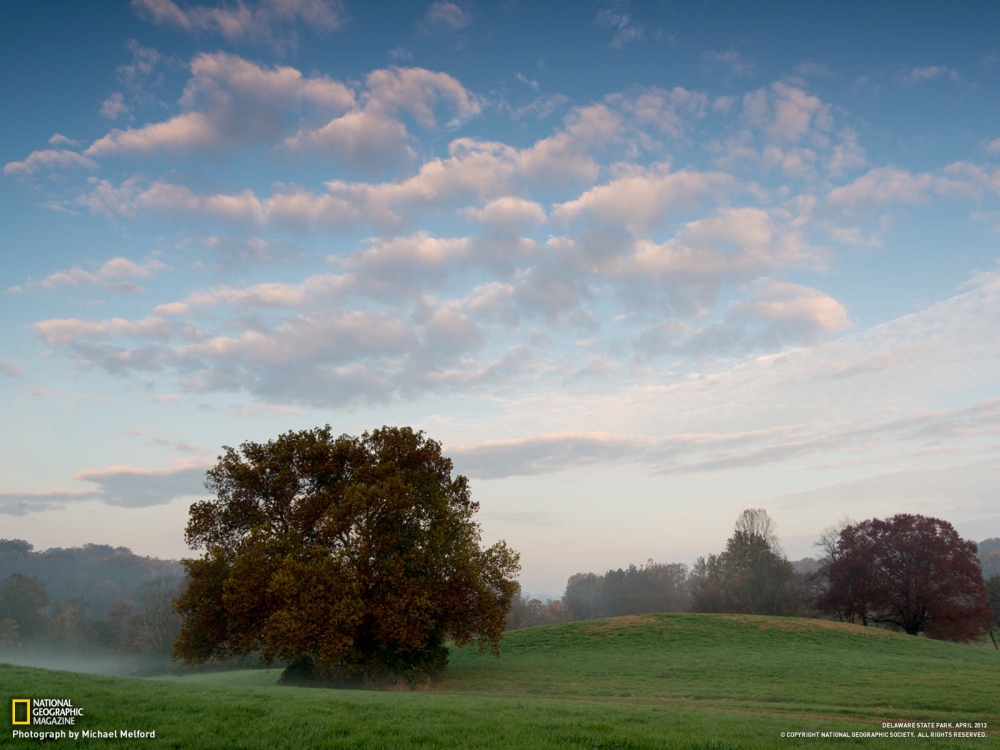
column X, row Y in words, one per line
column 120, row 274
column 530, row 83
column 800, row 310
column 58, row 139
column 131, row 487
column 929, row 73
column 541, row 107
column 700, row 453
column 22, row 503
column 644, row 198
column 847, row 155
column 807, row 69
column 230, row 102
column 786, row 113
column 49, row 159
column 445, row 15
column 9, row 367
column 883, row 185
column 730, row 61
column 120, row 486
column 617, row 16
column 274, row 22
column 114, row 106
column 237, row 253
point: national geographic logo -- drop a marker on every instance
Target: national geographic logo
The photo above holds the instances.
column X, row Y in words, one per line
column 44, row 712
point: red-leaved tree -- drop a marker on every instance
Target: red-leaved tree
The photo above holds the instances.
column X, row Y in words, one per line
column 909, row 571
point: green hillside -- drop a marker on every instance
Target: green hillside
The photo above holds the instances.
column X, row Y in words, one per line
column 678, row 680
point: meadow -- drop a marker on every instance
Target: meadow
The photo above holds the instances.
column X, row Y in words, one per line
column 650, row 681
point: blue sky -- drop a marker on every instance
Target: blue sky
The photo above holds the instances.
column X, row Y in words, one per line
column 637, row 266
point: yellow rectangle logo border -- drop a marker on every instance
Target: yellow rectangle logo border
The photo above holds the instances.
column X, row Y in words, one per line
column 13, row 711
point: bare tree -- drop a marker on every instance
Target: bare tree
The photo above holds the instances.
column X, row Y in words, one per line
column 155, row 625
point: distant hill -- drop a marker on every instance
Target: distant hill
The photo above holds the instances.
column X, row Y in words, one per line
column 95, row 574
column 989, row 556
column 805, row 566
column 989, row 559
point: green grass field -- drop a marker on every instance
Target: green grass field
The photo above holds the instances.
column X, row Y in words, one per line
column 679, row 680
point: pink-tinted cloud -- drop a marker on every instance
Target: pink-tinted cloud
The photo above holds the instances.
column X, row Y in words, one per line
column 49, row 159
column 120, row 274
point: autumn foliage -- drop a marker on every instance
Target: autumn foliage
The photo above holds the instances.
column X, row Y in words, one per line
column 909, row 572
column 353, row 558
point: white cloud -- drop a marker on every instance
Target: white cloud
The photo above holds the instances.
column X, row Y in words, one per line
column 120, row 486
column 48, row 159
column 929, row 73
column 69, row 330
column 366, row 140
column 271, row 21
column 617, row 16
column 993, row 146
column 58, row 139
column 120, row 274
column 564, row 156
column 730, row 60
column 114, row 106
column 786, row 113
column 541, row 106
column 508, row 213
column 9, row 367
column 236, row 253
column 130, row 487
column 801, row 310
column 530, row 83
column 544, row 454
column 21, row 503
column 442, row 14
column 644, row 198
column 230, row 102
column 371, row 138
column 847, row 155
column 704, row 452
column 403, row 257
column 883, row 185
column 416, row 90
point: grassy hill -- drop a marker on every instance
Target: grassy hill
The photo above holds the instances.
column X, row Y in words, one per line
column 678, row 680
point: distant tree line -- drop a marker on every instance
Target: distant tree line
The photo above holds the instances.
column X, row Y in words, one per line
column 908, row 573
column 87, row 600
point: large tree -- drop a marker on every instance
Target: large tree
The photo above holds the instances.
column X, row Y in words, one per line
column 352, row 557
column 751, row 576
column 909, row 572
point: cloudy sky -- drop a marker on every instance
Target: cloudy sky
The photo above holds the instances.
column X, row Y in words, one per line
column 637, row 266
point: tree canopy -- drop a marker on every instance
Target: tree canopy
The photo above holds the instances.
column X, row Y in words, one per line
column 909, row 572
column 653, row 587
column 351, row 557
column 21, row 599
